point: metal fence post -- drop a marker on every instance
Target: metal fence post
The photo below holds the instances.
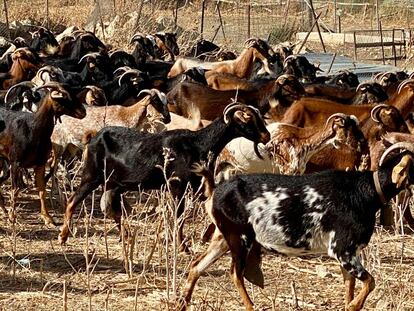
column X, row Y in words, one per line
column 203, row 7
column 6, row 13
column 248, row 19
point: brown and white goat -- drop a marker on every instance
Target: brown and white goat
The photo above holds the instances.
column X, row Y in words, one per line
column 69, row 132
column 291, row 147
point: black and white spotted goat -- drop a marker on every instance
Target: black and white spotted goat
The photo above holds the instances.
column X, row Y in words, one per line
column 331, row 212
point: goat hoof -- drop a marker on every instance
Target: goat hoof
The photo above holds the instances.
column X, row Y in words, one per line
column 63, row 236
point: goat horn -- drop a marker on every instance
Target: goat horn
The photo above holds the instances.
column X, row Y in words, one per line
column 361, row 85
column 135, row 37
column 91, row 87
column 335, row 115
column 404, row 83
column 250, row 41
column 153, row 92
column 28, row 84
column 161, row 96
column 51, row 84
column 127, row 73
column 289, row 57
column 401, row 145
column 94, row 55
column 123, row 68
column 353, row 117
column 229, row 108
column 376, row 110
column 282, row 79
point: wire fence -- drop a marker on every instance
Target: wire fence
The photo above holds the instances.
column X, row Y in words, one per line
column 226, row 22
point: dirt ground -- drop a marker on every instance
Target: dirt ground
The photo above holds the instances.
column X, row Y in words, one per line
column 46, row 272
column 94, row 271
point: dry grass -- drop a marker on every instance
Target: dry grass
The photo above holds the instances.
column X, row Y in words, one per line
column 147, row 283
column 96, row 275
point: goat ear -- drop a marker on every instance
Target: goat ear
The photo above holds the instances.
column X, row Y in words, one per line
column 242, row 116
column 401, row 171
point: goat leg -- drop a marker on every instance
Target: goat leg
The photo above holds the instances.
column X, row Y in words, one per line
column 349, row 281
column 217, row 248
column 41, row 187
column 86, row 187
column 352, row 265
column 239, row 253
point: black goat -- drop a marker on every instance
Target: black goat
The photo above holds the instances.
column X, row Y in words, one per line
column 44, row 42
column 25, row 142
column 133, row 158
column 331, row 212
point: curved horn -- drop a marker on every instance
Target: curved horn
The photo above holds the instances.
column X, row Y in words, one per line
column 288, row 58
column 147, row 91
column 28, row 84
column 361, row 85
column 135, row 37
column 123, row 69
column 339, row 114
column 404, row 83
column 127, row 73
column 51, row 84
column 401, row 145
column 376, row 110
column 282, row 79
column 249, row 42
column 229, row 108
column 378, row 76
column 161, row 96
column 94, row 55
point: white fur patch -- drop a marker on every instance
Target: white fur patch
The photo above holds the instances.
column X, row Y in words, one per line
column 311, row 196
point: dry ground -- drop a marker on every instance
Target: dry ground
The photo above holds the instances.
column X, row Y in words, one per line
column 43, row 267
column 44, row 270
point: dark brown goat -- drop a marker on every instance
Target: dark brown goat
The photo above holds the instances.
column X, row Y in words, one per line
column 25, row 65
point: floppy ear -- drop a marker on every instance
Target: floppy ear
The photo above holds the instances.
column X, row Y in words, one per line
column 401, row 170
column 242, row 116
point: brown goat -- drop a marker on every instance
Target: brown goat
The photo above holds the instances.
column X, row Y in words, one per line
column 241, row 67
column 211, row 102
column 24, row 67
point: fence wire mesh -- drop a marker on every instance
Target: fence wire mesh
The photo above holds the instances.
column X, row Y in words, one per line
column 226, row 22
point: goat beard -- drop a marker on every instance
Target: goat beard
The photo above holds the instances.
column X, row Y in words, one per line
column 256, row 151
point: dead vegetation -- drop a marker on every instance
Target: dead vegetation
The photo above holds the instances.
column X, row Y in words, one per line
column 97, row 271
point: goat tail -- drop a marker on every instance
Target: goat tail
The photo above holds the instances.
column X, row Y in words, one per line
column 208, row 178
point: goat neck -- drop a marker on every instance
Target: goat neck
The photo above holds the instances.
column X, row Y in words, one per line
column 388, row 188
column 44, row 118
column 403, row 101
column 243, row 64
column 137, row 113
column 215, row 137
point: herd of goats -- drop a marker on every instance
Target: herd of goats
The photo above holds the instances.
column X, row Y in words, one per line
column 290, row 161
